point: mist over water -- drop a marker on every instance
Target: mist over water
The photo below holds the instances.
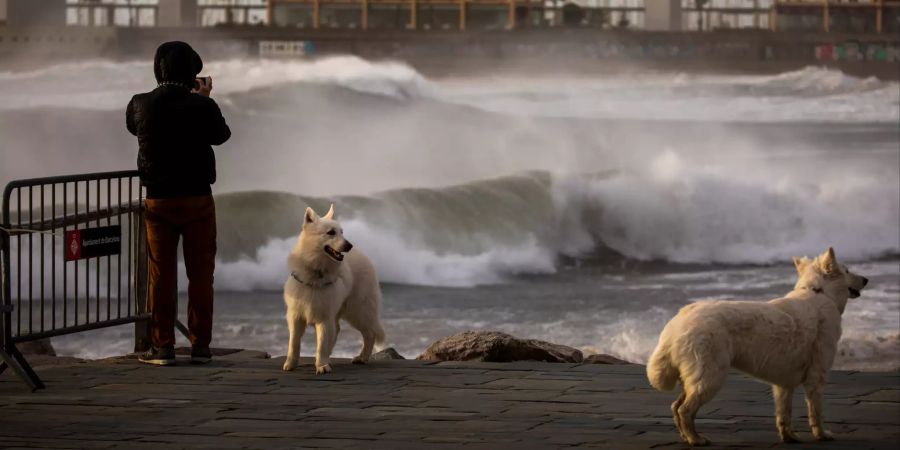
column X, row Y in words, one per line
column 588, row 191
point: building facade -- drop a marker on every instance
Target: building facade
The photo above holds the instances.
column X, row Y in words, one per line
column 841, row 16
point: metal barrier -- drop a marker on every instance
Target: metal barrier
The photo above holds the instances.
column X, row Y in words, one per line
column 91, row 272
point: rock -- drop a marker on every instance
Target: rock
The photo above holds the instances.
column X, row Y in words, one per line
column 604, row 359
column 386, row 354
column 38, row 347
column 495, row 346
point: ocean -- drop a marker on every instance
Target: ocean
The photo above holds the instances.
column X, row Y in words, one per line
column 581, row 210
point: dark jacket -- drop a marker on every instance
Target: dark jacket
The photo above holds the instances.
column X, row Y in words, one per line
column 176, row 128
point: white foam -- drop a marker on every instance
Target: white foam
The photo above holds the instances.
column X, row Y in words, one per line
column 388, row 78
column 93, row 85
column 679, row 212
column 106, row 85
column 672, row 209
column 397, row 260
column 811, row 94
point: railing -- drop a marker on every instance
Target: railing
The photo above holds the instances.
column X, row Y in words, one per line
column 74, row 259
column 92, row 13
column 874, row 14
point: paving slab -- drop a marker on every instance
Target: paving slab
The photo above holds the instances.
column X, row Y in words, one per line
column 245, row 400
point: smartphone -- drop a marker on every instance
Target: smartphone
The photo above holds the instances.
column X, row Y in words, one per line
column 200, row 81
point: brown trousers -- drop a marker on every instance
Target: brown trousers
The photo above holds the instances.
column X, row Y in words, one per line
column 194, row 219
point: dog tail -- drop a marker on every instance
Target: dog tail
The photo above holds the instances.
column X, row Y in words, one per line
column 662, row 374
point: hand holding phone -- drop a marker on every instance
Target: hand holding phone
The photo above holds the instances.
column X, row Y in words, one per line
column 202, row 86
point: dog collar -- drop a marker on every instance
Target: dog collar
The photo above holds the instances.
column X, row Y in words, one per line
column 295, row 277
column 817, row 290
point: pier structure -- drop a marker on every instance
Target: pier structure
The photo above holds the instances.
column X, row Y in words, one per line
column 835, row 15
column 405, row 14
column 853, row 16
column 33, row 13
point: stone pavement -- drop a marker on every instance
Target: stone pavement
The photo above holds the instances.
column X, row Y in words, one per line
column 245, row 401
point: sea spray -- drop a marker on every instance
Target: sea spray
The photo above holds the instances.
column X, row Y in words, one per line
column 809, row 94
column 579, row 210
column 483, row 231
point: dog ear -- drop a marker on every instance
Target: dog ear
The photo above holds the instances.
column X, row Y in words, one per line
column 800, row 263
column 310, row 217
column 330, row 214
column 828, row 262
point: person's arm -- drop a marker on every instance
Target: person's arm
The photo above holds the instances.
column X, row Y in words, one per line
column 217, row 131
column 129, row 118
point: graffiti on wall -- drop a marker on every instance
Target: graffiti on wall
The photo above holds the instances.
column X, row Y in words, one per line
column 281, row 49
column 858, row 51
column 601, row 49
column 611, row 49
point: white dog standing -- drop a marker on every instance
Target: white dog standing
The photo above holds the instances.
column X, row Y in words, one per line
column 786, row 342
column 326, row 286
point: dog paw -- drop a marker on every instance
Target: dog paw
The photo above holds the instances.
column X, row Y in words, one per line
column 789, row 437
column 824, row 435
column 359, row 360
column 289, row 365
column 325, row 368
column 698, row 441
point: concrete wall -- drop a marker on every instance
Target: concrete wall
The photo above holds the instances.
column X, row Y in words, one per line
column 28, row 13
column 662, row 15
column 390, row 17
column 52, row 43
column 288, row 15
column 177, row 13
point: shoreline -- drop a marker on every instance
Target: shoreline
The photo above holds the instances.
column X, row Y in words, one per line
column 590, row 356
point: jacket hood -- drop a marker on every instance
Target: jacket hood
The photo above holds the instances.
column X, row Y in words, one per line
column 176, row 62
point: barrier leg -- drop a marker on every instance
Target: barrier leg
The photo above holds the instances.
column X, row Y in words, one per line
column 13, row 358
column 183, row 329
column 142, row 339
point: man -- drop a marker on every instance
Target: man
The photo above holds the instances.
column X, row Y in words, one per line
column 176, row 124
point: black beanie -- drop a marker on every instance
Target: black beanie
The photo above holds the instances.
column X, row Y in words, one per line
column 176, row 62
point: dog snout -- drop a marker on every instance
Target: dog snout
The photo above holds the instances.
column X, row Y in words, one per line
column 347, row 246
column 865, row 281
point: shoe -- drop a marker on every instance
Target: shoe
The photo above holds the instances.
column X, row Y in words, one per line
column 200, row 355
column 164, row 356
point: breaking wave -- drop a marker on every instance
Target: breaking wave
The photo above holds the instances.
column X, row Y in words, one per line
column 810, row 94
column 483, row 231
column 702, row 193
column 108, row 85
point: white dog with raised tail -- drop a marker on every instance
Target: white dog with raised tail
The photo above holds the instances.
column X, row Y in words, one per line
column 326, row 286
column 786, row 342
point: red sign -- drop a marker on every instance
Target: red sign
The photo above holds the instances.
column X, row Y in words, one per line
column 93, row 242
column 73, row 245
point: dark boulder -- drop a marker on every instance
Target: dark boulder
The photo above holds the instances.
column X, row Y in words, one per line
column 494, row 346
column 386, row 354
